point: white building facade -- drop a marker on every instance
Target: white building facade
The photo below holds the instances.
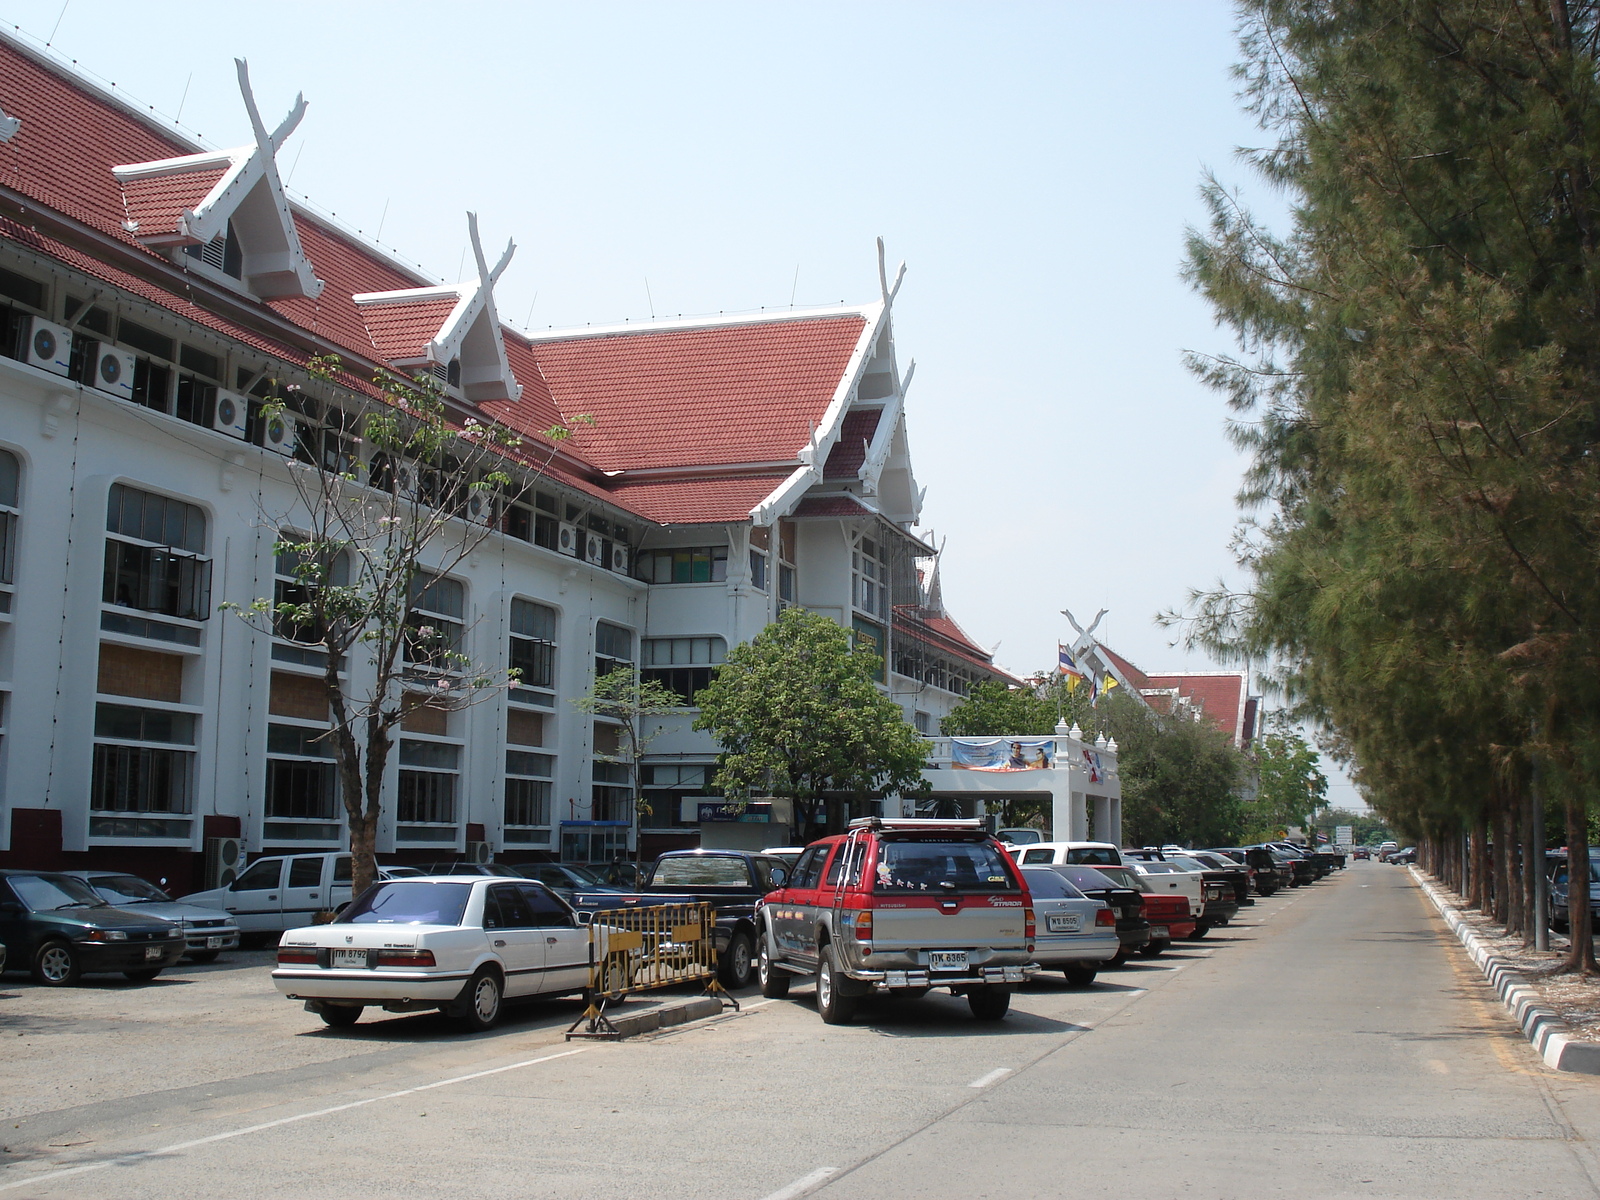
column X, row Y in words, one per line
column 155, row 294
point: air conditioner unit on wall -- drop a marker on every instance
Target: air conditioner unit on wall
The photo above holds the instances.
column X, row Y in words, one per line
column 406, row 475
column 113, row 372
column 49, row 346
column 619, row 559
column 594, row 552
column 224, row 861
column 479, row 852
column 280, row 433
column 480, row 508
column 568, row 539
column 230, row 415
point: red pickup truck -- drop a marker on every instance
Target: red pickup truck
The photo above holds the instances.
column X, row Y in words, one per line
column 899, row 907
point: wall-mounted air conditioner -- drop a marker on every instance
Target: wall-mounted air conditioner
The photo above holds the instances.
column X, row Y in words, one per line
column 224, row 861
column 230, row 415
column 594, row 553
column 280, row 433
column 619, row 559
column 567, row 539
column 480, row 508
column 49, row 346
column 113, row 372
column 479, row 853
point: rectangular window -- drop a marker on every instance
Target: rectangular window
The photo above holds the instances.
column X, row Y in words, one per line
column 10, row 479
column 135, row 791
column 613, row 647
column 435, row 625
column 302, row 791
column 428, row 781
column 612, row 792
column 694, row 564
column 785, row 586
column 666, row 786
column 154, row 558
column 870, row 577
column 686, row 665
column 758, row 569
column 533, row 648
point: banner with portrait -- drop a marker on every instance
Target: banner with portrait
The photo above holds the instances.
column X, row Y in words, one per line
column 1002, row 754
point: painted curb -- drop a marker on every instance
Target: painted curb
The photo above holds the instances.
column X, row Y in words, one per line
column 1550, row 1035
column 648, row 1020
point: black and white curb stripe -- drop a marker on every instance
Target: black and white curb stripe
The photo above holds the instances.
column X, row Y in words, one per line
column 1551, row 1036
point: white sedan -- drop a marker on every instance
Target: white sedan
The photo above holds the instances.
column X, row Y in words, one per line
column 1076, row 935
column 461, row 943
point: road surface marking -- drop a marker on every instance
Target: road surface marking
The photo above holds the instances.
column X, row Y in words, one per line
column 802, row 1185
column 994, row 1076
column 124, row 1160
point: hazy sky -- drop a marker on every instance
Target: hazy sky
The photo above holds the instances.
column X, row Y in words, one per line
column 1034, row 165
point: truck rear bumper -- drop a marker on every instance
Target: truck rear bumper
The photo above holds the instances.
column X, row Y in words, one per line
column 883, row 981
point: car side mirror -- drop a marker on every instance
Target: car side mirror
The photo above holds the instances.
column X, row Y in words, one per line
column 780, row 877
column 584, row 918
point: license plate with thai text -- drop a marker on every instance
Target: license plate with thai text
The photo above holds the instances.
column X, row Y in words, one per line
column 214, row 943
column 1064, row 922
column 152, row 952
column 947, row 960
column 1158, row 932
column 348, row 959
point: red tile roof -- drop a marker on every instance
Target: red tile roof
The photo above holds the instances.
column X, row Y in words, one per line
column 855, row 433
column 943, row 634
column 1130, row 672
column 720, row 395
column 401, row 331
column 696, row 501
column 1218, row 696
column 155, row 202
column 730, row 394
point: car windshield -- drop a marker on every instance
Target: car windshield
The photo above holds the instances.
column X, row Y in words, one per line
column 1125, row 877
column 1160, row 868
column 584, row 876
column 918, row 866
column 408, row 902
column 701, row 870
column 1048, row 884
column 42, row 893
column 127, row 889
column 1094, row 856
column 1185, row 863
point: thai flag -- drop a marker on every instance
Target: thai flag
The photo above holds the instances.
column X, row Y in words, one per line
column 1064, row 663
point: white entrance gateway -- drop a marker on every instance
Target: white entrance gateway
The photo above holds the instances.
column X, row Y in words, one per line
column 1081, row 781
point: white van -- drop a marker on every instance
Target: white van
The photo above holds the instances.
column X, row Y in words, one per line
column 283, row 891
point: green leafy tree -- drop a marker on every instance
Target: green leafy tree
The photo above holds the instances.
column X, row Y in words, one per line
column 381, row 518
column 1290, row 785
column 798, row 715
column 1180, row 778
column 995, row 709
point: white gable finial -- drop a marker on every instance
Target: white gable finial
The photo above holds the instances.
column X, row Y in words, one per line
column 269, row 143
column 488, row 277
column 888, row 292
column 9, row 126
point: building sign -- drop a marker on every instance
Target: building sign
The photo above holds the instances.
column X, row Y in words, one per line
column 757, row 812
column 1344, row 835
column 1002, row 754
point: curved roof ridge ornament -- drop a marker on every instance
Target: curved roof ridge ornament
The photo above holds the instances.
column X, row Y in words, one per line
column 472, row 330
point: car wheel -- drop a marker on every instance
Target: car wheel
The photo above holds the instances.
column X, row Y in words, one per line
column 833, row 1008
column 774, row 982
column 1200, row 929
column 204, row 956
column 340, row 1015
column 736, row 966
column 143, row 974
column 481, row 1002
column 989, row 1003
column 1121, row 956
column 1154, row 949
column 1079, row 976
column 55, row 964
column 615, row 977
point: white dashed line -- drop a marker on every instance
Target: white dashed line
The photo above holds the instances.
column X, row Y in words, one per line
column 802, row 1185
column 124, row 1160
column 994, row 1076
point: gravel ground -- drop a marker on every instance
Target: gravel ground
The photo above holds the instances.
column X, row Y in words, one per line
column 1575, row 997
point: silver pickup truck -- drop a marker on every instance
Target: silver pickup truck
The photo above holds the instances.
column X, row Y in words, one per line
column 899, row 907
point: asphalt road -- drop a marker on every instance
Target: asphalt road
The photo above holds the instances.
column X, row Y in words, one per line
column 1332, row 1043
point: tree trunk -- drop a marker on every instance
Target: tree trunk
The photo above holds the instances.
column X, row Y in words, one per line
column 1532, row 860
column 1480, row 863
column 364, row 861
column 1510, row 820
column 1500, row 867
column 1581, row 957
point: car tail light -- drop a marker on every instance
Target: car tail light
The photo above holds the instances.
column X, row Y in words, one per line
column 1028, row 925
column 404, row 958
column 297, row 954
column 863, row 927
column 1105, row 917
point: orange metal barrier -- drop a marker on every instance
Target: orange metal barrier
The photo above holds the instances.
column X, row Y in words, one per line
column 635, row 950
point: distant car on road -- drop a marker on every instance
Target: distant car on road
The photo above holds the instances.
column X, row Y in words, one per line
column 461, row 943
column 59, row 928
column 207, row 931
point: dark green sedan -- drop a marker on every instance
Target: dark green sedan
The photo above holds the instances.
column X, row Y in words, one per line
column 55, row 926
